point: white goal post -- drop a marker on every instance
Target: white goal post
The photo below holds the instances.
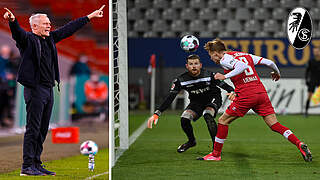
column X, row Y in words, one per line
column 118, row 81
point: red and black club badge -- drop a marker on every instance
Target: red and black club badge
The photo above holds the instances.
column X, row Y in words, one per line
column 299, row 28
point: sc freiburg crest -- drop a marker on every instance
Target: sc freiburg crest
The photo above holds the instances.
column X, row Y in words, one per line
column 299, row 28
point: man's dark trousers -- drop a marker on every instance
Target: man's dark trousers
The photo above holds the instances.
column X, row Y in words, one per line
column 39, row 101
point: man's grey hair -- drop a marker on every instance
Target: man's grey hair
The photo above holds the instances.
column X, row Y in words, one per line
column 34, row 18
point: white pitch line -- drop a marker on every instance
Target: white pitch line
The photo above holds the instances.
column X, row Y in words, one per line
column 134, row 136
column 94, row 176
column 138, row 132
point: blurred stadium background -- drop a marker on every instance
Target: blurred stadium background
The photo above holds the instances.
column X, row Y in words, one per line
column 70, row 108
column 258, row 27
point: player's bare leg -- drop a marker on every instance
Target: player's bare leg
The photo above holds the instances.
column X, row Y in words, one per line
column 186, row 118
column 272, row 122
column 222, row 134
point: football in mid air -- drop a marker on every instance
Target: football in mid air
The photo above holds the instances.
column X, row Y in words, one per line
column 89, row 147
column 189, row 43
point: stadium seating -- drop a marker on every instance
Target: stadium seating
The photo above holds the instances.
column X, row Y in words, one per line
column 215, row 4
column 215, row 26
column 168, row 34
column 233, row 26
column 160, row 26
column 280, row 34
column 198, row 4
column 288, row 3
column 206, row 34
column 253, row 4
column 180, row 16
column 142, row 3
column 134, row 13
column 188, row 14
column 197, row 25
column 133, row 34
column 170, row 14
column 152, row 14
column 261, row 14
column 262, row 34
column 270, row 3
column 315, row 13
column 307, row 3
column 141, row 25
column 179, row 26
column 161, row 4
column 252, row 26
column 224, row 14
column 243, row 34
column 233, row 4
column 179, row 4
column 279, row 14
column 242, row 14
column 206, row 14
column 270, row 26
column 150, row 34
column 225, row 34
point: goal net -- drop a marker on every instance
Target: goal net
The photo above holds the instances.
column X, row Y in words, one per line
column 118, row 80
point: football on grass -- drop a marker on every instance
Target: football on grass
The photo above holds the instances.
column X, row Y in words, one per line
column 89, row 147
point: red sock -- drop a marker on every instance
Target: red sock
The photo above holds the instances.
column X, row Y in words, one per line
column 277, row 127
column 219, row 140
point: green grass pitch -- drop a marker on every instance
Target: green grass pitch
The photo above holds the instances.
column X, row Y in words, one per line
column 75, row 167
column 251, row 151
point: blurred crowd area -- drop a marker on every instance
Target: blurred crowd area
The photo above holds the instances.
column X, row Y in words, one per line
column 83, row 58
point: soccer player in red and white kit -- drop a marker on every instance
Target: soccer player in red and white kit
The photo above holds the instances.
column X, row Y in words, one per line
column 251, row 94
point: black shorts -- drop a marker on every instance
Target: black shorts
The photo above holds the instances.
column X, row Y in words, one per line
column 199, row 108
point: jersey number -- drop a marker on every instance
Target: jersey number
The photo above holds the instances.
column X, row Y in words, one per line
column 249, row 70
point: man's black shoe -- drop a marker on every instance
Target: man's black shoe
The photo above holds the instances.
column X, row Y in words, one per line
column 184, row 147
column 43, row 170
column 31, row 171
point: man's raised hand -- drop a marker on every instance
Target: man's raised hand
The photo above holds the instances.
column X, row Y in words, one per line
column 8, row 15
column 96, row 13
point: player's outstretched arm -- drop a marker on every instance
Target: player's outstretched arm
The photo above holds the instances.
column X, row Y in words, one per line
column 97, row 13
column 275, row 75
column 8, row 15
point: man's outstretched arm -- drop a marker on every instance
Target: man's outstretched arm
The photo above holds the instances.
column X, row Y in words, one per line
column 73, row 26
column 175, row 89
column 18, row 34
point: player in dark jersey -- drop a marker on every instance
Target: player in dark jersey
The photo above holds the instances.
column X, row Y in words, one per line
column 313, row 75
column 204, row 95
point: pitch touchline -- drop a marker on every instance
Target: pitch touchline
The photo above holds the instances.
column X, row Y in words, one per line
column 97, row 175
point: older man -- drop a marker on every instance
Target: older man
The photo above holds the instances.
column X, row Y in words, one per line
column 37, row 73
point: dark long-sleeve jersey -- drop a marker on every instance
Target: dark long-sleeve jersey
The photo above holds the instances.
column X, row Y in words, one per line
column 202, row 89
column 313, row 72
